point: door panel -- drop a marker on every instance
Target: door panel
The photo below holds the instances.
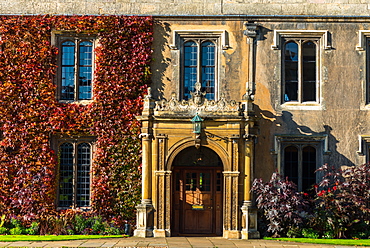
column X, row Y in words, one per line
column 198, row 209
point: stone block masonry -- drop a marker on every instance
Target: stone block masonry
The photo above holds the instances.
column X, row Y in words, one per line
column 176, row 7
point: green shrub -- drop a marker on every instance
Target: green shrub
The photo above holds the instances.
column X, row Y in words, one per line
column 294, row 232
column 16, row 231
column 328, row 234
column 80, row 224
column 15, row 222
column 70, row 231
column 98, row 226
column 3, row 230
column 310, row 233
column 112, row 231
column 33, row 229
column 16, row 227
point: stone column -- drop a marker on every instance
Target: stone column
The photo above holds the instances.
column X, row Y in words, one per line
column 249, row 214
column 146, row 197
column 249, row 218
column 144, row 214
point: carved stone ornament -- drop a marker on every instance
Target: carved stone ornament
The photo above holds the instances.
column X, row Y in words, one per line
column 197, row 104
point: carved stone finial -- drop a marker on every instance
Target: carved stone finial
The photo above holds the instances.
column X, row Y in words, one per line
column 197, row 87
column 250, row 92
column 148, row 104
column 149, row 94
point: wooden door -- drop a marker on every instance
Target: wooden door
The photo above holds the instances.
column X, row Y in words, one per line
column 198, row 200
column 198, row 205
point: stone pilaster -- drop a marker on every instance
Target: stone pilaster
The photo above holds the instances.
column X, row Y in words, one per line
column 162, row 193
column 231, row 209
column 163, row 220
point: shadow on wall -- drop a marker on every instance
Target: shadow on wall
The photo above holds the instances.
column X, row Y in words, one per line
column 272, row 125
column 160, row 63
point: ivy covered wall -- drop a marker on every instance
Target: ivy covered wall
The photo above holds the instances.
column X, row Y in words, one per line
column 30, row 114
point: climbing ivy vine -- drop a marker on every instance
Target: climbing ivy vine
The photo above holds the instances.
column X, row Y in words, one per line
column 30, row 114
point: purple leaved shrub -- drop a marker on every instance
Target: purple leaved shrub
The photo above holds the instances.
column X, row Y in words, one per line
column 284, row 208
column 339, row 206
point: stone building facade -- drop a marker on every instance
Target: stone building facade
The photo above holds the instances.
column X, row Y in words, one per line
column 273, row 85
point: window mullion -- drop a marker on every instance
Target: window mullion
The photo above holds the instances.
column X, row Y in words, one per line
column 199, row 65
column 75, row 172
column 318, row 73
column 300, row 72
column 300, row 159
column 77, row 68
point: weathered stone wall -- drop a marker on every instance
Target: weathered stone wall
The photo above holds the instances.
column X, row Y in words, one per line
column 232, row 62
column 188, row 7
column 343, row 114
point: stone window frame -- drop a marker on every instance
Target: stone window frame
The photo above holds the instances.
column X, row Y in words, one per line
column 319, row 142
column 364, row 147
column 179, row 37
column 363, row 46
column 322, row 37
column 57, row 38
column 57, row 141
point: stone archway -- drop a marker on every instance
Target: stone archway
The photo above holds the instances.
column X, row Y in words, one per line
column 168, row 137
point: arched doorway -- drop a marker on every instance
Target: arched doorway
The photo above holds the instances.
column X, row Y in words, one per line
column 197, row 192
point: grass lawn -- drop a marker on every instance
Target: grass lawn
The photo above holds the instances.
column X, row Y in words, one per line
column 358, row 242
column 13, row 238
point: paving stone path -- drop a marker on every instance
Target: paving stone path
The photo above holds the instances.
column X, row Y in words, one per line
column 172, row 242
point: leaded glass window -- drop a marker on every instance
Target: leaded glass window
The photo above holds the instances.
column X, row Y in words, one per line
column 74, row 174
column 300, row 72
column 76, row 69
column 300, row 163
column 199, row 65
column 66, row 175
